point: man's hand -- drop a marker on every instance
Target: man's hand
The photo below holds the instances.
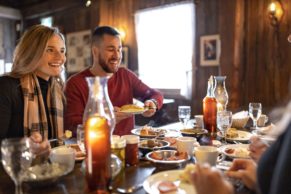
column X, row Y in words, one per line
column 151, row 108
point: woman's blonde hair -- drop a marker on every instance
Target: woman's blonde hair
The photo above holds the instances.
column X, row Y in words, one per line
column 30, row 49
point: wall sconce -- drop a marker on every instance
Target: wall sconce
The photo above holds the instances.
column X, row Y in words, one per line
column 88, row 3
column 122, row 34
column 275, row 12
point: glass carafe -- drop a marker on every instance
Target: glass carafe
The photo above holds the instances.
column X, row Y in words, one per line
column 220, row 93
column 99, row 122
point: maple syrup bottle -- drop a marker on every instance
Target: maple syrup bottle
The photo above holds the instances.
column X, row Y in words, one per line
column 210, row 109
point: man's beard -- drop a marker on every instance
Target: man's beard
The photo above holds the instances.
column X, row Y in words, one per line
column 104, row 65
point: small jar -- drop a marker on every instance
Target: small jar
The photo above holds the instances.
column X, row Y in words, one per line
column 118, row 148
column 131, row 149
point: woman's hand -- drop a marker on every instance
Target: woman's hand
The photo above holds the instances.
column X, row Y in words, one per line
column 245, row 170
column 38, row 145
column 151, row 108
column 210, row 180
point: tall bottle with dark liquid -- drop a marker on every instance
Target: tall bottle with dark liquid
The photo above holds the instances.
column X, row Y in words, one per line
column 98, row 121
column 210, row 109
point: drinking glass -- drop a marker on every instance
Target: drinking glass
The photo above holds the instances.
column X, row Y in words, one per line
column 255, row 111
column 224, row 120
column 184, row 113
column 16, row 159
column 81, row 137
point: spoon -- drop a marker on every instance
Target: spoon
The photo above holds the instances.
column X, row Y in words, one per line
column 130, row 189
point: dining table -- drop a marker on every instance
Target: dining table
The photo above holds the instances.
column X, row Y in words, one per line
column 75, row 181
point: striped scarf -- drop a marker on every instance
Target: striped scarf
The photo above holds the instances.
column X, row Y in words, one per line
column 35, row 118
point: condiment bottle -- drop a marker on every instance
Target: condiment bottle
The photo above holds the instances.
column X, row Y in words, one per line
column 210, row 109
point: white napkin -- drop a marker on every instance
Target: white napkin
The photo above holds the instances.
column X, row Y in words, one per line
column 241, row 114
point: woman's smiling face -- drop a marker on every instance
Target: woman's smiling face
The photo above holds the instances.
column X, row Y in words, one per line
column 52, row 59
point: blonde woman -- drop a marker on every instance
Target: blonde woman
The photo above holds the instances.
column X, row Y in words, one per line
column 31, row 97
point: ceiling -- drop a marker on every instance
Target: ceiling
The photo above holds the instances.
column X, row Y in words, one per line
column 20, row 4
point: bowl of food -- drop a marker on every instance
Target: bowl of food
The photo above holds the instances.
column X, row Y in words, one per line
column 148, row 145
column 193, row 132
column 168, row 159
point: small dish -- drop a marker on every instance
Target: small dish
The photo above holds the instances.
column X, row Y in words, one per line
column 167, row 158
column 148, row 145
column 193, row 132
column 242, row 136
column 153, row 132
column 236, row 150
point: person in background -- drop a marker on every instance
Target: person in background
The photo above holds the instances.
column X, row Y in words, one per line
column 123, row 84
column 31, row 95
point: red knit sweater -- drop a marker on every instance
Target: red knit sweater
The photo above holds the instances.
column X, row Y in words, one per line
column 123, row 86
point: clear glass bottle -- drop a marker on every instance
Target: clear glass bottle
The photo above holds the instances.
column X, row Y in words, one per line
column 210, row 109
column 99, row 122
column 220, row 93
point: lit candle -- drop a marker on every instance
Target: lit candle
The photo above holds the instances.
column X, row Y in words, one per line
column 98, row 153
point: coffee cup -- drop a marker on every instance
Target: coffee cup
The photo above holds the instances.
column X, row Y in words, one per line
column 206, row 154
column 199, row 121
column 262, row 120
column 64, row 156
column 186, row 144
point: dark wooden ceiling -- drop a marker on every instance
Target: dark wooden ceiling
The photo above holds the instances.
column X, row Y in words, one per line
column 20, row 4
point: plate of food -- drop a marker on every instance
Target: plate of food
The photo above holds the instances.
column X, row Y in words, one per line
column 170, row 182
column 233, row 134
column 132, row 109
column 45, row 174
column 193, row 132
column 149, row 132
column 148, row 145
column 236, row 150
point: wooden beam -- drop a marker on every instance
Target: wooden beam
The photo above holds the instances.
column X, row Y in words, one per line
column 7, row 12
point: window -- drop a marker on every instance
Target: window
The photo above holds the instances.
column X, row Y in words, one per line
column 165, row 38
column 47, row 21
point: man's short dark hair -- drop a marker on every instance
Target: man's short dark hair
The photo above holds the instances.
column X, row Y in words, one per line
column 99, row 32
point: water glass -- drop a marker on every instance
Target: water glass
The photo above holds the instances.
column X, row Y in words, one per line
column 184, row 113
column 16, row 159
column 81, row 137
column 255, row 111
column 224, row 120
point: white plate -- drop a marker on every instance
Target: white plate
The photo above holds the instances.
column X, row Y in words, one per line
column 137, row 132
column 151, row 183
column 133, row 112
column 239, row 150
column 242, row 136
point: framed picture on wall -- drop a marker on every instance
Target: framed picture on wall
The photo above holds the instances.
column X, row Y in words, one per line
column 124, row 61
column 209, row 50
column 78, row 51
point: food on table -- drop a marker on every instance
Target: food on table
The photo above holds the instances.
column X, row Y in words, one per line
column 167, row 186
column 68, row 134
column 232, row 133
column 185, row 175
column 242, row 152
column 229, row 150
column 45, row 171
column 78, row 151
column 151, row 143
column 171, row 140
column 131, row 108
column 172, row 157
column 147, row 130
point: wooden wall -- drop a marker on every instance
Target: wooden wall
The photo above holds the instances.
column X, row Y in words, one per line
column 254, row 56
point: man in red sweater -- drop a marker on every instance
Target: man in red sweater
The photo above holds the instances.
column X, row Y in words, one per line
column 123, row 84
